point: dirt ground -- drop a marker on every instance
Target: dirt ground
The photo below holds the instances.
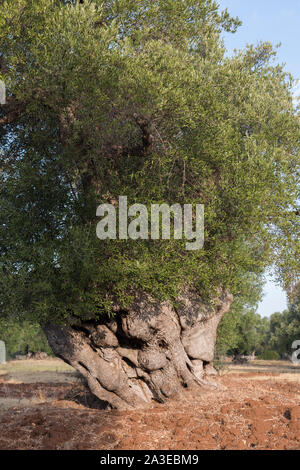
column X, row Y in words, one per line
column 44, row 405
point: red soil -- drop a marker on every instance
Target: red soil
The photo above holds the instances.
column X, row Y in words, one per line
column 244, row 414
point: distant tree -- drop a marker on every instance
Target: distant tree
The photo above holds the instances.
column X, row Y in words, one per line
column 20, row 338
column 285, row 326
column 137, row 98
column 235, row 326
column 247, row 332
column 293, row 329
column 252, row 333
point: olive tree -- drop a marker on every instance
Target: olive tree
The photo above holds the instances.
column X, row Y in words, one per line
column 137, row 98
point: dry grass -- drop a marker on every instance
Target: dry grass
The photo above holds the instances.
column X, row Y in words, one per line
column 7, row 403
column 286, row 377
column 34, row 371
column 263, row 367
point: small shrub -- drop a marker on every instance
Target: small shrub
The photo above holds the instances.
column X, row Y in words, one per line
column 269, row 355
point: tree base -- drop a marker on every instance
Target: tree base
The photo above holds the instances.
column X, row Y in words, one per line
column 151, row 352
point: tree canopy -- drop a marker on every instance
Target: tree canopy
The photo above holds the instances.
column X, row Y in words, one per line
column 138, row 98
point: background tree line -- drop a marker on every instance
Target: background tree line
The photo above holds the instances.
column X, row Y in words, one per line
column 243, row 331
column 20, row 338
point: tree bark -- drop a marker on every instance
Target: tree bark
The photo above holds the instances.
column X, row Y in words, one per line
column 150, row 352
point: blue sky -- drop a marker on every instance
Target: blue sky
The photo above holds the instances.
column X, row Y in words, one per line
column 278, row 22
column 267, row 20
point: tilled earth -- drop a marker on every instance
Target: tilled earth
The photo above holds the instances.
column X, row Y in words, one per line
column 249, row 411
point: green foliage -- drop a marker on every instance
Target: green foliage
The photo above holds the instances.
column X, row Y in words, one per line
column 223, row 132
column 242, row 331
column 269, row 355
column 285, row 327
column 249, row 332
column 22, row 337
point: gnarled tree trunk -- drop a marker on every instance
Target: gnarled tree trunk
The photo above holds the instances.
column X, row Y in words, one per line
column 150, row 352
